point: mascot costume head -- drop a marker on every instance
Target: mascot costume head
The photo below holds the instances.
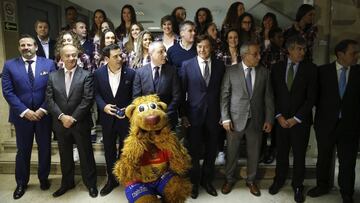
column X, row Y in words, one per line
column 153, row 162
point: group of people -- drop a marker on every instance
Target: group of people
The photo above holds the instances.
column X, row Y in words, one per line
column 240, row 82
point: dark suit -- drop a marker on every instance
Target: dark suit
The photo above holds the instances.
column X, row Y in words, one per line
column 169, row 88
column 298, row 102
column 77, row 105
column 20, row 95
column 88, row 47
column 202, row 108
column 41, row 52
column 113, row 127
column 334, row 131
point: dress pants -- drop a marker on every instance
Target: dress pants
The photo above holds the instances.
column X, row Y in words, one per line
column 203, row 137
column 297, row 139
column 25, row 132
column 81, row 138
column 253, row 145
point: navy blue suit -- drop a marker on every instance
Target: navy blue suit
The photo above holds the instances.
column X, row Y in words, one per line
column 88, row 47
column 169, row 88
column 41, row 52
column 111, row 125
column 202, row 108
column 20, row 95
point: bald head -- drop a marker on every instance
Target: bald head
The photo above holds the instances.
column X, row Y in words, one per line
column 69, row 55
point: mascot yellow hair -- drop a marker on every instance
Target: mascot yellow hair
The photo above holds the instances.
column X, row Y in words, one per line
column 152, row 158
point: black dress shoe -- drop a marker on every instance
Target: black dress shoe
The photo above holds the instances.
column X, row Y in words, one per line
column 275, row 187
column 317, row 191
column 269, row 157
column 209, row 189
column 195, row 192
column 19, row 191
column 44, row 184
column 62, row 190
column 93, row 192
column 108, row 187
column 298, row 194
column 347, row 199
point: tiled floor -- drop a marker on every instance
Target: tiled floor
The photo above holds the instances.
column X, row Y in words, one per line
column 239, row 194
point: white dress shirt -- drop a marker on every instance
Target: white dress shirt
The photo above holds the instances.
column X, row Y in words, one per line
column 45, row 46
column 202, row 64
column 253, row 74
column 338, row 71
column 153, row 70
column 114, row 80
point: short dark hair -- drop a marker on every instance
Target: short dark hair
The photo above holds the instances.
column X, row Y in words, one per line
column 296, row 39
column 41, row 21
column 274, row 31
column 73, row 25
column 343, row 45
column 70, row 8
column 201, row 38
column 106, row 50
column 25, row 35
column 167, row 18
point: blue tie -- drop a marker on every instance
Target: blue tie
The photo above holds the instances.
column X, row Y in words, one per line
column 30, row 72
column 156, row 77
column 248, row 81
column 342, row 81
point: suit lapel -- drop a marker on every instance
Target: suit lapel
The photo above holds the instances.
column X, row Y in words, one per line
column 106, row 81
column 76, row 78
column 123, row 79
column 257, row 76
column 22, row 70
column 242, row 78
column 61, row 81
column 198, row 72
column 283, row 67
column 149, row 77
column 162, row 77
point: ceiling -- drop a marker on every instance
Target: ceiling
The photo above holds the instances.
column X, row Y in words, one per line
column 154, row 10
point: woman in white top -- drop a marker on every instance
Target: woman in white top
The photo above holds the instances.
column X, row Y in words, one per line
column 169, row 38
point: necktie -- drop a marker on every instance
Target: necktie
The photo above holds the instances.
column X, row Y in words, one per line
column 206, row 73
column 342, row 81
column 248, row 81
column 30, row 72
column 156, row 77
column 290, row 76
column 68, row 82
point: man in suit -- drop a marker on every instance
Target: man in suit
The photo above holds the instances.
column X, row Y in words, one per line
column 113, row 89
column 201, row 79
column 161, row 79
column 80, row 30
column 24, row 82
column 294, row 84
column 337, row 119
column 69, row 96
column 46, row 46
column 247, row 109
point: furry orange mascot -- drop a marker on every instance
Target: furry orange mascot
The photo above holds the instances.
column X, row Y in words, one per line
column 153, row 162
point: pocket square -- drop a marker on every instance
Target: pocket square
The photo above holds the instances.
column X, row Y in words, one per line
column 44, row 73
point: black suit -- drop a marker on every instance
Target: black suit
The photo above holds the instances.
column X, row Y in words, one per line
column 113, row 127
column 168, row 89
column 77, row 105
column 41, row 52
column 298, row 102
column 202, row 108
column 332, row 130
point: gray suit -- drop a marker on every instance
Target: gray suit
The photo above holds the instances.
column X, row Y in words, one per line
column 77, row 105
column 246, row 113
